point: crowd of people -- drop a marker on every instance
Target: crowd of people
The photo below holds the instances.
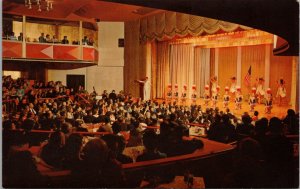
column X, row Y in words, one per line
column 96, row 161
column 47, row 39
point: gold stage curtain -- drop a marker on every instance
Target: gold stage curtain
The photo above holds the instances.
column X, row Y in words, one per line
column 253, row 56
column 163, row 66
column 182, row 66
column 197, row 69
column 167, row 25
column 281, row 66
column 153, row 69
column 226, row 66
column 212, row 62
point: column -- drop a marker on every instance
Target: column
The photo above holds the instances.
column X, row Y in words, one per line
column 267, row 65
column 239, row 66
column 24, row 37
column 80, row 41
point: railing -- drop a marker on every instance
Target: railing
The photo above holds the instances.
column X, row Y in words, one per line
column 49, row 51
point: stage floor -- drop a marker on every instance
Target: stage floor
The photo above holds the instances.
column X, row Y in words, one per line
column 277, row 111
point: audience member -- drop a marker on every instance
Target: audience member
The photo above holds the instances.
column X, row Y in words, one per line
column 42, row 38
column 20, row 37
column 65, row 40
column 52, row 152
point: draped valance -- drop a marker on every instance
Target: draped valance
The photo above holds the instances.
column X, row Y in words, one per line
column 168, row 25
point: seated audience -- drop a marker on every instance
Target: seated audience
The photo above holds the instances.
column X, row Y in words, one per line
column 97, row 168
column 52, row 152
column 72, row 150
column 150, row 141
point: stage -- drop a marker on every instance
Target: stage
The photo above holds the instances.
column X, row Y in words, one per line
column 277, row 111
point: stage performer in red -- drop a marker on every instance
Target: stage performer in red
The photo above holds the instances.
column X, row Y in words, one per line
column 238, row 98
column 252, row 99
column 184, row 95
column 268, row 101
column 206, row 95
column 194, row 94
column 226, row 98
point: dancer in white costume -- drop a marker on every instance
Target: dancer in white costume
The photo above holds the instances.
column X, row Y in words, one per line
column 194, row 94
column 238, row 98
column 232, row 89
column 226, row 97
column 206, row 95
column 260, row 89
column 184, row 94
column 252, row 99
column 169, row 93
column 269, row 101
column 176, row 94
column 215, row 97
column 214, row 84
column 281, row 91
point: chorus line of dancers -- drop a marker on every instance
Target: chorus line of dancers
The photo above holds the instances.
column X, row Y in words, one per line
column 258, row 94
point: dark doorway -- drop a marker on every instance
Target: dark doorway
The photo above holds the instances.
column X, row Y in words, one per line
column 74, row 81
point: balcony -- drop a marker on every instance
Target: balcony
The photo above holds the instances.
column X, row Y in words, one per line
column 49, row 52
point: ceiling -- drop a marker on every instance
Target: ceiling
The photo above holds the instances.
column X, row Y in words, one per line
column 280, row 17
column 85, row 10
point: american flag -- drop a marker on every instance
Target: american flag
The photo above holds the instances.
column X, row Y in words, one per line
column 247, row 78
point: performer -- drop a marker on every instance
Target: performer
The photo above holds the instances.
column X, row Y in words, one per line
column 260, row 89
column 146, row 87
column 238, row 98
column 232, row 89
column 176, row 95
column 184, row 94
column 206, row 95
column 268, row 102
column 226, row 98
column 169, row 93
column 252, row 99
column 214, row 84
column 281, row 91
column 194, row 94
column 215, row 97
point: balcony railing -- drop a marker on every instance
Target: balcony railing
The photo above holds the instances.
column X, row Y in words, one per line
column 49, row 51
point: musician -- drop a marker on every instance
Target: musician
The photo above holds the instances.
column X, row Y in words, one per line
column 206, row 95
column 184, row 94
column 226, row 97
column 281, row 90
column 215, row 97
column 260, row 89
column 252, row 99
column 146, row 87
column 269, row 101
column 238, row 98
column 194, row 94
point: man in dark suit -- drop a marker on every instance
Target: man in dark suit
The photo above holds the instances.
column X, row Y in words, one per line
column 65, row 40
column 42, row 38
